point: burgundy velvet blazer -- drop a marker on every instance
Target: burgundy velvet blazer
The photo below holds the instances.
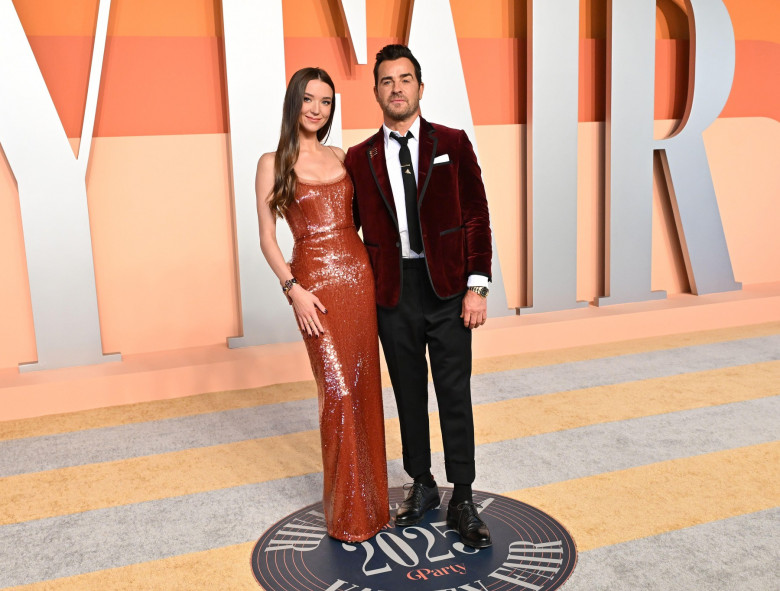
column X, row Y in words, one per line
column 452, row 205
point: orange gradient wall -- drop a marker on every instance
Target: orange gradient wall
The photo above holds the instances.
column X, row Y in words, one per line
column 167, row 281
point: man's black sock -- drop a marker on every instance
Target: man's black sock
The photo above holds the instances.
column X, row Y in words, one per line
column 426, row 480
column 460, row 493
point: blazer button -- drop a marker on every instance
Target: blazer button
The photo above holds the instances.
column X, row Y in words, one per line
column 397, row 244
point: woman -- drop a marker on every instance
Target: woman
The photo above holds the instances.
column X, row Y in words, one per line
column 306, row 183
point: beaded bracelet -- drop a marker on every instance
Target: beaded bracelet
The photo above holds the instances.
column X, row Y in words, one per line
column 289, row 284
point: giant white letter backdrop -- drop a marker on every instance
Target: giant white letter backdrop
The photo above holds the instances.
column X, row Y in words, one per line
column 52, row 188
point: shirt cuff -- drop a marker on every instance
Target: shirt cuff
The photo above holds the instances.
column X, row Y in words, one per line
column 477, row 281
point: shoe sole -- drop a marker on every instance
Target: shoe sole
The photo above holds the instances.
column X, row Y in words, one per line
column 476, row 546
column 426, row 508
column 453, row 525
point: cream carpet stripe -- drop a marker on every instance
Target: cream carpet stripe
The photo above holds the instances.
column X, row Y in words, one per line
column 93, row 486
column 645, row 501
column 235, row 399
column 599, row 511
column 735, row 553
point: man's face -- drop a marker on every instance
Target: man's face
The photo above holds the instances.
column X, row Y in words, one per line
column 398, row 91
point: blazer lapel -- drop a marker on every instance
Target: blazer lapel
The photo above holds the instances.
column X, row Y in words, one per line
column 375, row 152
column 427, row 152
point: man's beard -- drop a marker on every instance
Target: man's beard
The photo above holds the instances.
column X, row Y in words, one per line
column 402, row 115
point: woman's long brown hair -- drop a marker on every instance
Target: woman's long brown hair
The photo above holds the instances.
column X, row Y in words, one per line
column 287, row 151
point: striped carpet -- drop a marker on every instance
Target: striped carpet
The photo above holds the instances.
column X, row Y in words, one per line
column 660, row 456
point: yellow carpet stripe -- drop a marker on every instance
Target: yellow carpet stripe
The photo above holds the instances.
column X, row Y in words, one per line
column 598, row 511
column 81, row 488
column 222, row 569
column 235, row 399
column 521, row 417
column 649, row 500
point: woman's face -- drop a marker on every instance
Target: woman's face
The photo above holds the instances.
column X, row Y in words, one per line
column 317, row 104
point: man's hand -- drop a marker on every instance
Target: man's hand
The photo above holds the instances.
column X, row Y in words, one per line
column 473, row 310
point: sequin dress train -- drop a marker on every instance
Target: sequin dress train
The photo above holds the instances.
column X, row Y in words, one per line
column 329, row 260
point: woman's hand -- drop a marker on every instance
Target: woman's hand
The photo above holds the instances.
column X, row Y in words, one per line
column 306, row 306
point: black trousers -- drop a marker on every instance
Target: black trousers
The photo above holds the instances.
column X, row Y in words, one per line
column 421, row 319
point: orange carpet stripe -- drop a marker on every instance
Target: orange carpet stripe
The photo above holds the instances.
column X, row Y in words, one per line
column 174, row 85
column 649, row 500
column 82, row 488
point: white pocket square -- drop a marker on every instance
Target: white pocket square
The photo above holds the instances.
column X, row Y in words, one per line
column 441, row 159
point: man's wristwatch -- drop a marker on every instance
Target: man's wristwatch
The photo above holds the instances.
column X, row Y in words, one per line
column 479, row 290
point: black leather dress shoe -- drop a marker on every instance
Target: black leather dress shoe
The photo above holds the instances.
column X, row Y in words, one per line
column 419, row 500
column 464, row 518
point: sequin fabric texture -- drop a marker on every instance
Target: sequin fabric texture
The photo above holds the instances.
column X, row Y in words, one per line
column 329, row 259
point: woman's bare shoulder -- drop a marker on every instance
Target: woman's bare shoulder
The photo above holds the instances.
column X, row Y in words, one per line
column 338, row 152
column 266, row 161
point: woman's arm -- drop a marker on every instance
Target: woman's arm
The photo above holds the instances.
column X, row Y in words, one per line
column 305, row 304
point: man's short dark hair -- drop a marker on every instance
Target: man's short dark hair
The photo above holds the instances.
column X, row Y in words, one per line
column 394, row 52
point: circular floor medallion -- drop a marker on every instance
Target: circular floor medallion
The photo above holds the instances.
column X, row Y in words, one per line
column 531, row 551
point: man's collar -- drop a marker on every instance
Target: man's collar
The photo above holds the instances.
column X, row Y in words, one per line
column 415, row 129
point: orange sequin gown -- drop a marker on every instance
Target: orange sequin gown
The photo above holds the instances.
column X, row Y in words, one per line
column 329, row 260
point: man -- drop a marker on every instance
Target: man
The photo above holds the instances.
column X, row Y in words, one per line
column 422, row 206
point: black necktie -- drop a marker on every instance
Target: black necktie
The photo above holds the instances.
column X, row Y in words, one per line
column 410, row 192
